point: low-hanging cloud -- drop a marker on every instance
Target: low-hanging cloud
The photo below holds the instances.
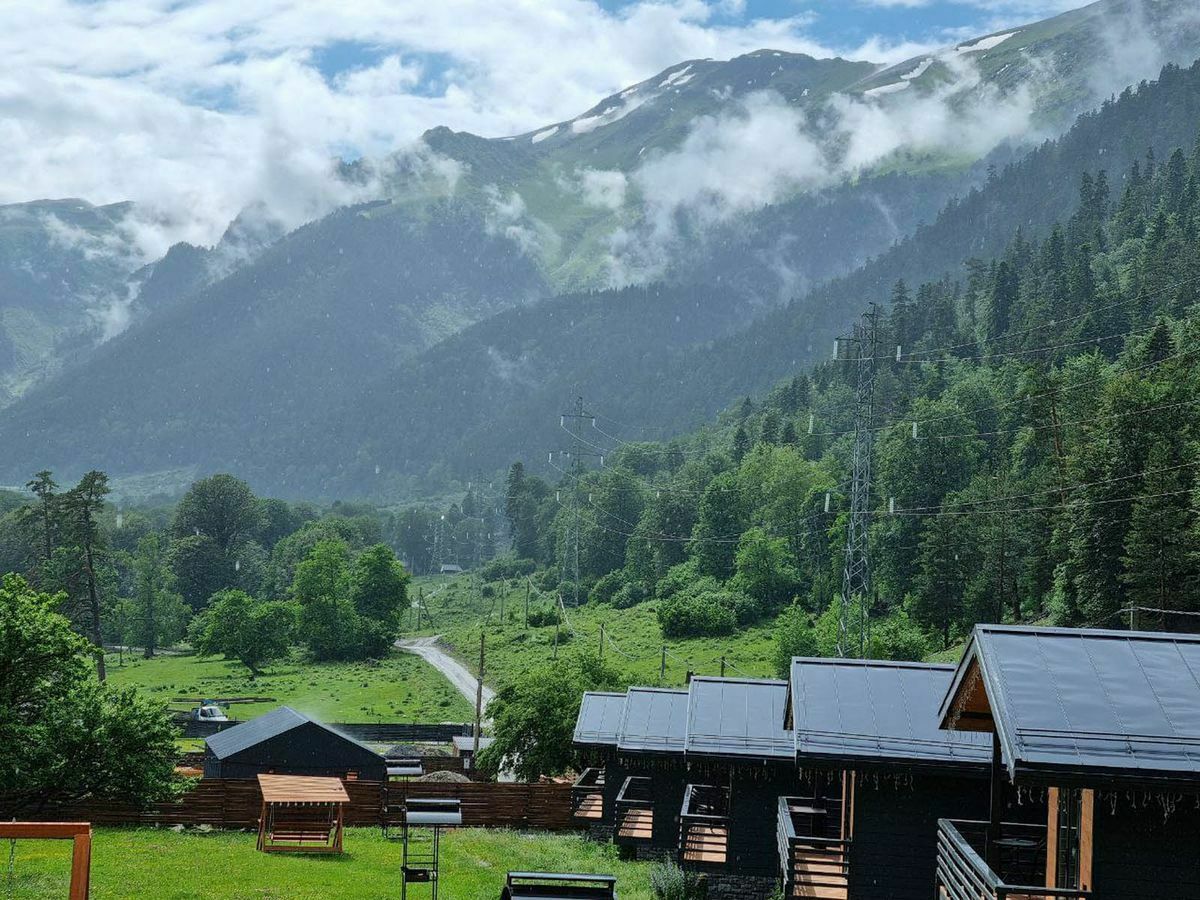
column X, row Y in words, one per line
column 197, row 111
column 765, row 149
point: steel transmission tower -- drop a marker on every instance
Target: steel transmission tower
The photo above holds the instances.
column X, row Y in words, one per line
column 862, row 351
column 580, row 451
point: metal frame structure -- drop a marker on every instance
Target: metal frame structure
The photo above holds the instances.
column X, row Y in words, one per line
column 419, row 867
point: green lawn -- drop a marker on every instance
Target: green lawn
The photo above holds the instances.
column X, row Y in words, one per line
column 164, row 865
column 634, row 648
column 401, row 688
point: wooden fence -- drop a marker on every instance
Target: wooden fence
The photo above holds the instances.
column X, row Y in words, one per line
column 375, row 732
column 236, row 803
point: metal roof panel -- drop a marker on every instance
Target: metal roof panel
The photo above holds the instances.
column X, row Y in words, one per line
column 655, row 720
column 738, row 717
column 599, row 720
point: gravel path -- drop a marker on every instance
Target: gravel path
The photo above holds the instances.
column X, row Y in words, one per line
column 454, row 671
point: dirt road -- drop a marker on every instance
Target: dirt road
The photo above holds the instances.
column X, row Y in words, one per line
column 454, row 671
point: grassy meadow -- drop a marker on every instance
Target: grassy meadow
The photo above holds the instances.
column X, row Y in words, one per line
column 400, row 688
column 159, row 864
column 633, row 642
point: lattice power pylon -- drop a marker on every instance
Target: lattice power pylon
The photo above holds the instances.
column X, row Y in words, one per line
column 861, row 351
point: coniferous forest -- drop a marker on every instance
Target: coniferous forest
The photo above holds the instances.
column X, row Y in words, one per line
column 1035, row 451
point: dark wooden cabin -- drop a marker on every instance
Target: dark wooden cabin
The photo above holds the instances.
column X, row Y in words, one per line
column 875, row 775
column 1102, row 729
column 740, row 760
column 648, row 772
column 285, row 742
column 596, row 731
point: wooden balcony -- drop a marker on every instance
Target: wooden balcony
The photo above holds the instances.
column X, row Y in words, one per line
column 962, row 873
column 704, row 826
column 813, row 856
column 634, row 818
column 587, row 796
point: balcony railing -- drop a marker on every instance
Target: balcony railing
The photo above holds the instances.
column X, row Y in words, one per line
column 813, row 856
column 963, row 875
column 587, row 796
column 704, row 826
column 634, row 814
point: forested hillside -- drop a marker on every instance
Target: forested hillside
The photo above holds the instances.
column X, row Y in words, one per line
column 1036, row 446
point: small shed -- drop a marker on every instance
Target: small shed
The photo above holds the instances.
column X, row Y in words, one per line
column 451, row 569
column 464, row 748
column 301, row 813
column 287, row 742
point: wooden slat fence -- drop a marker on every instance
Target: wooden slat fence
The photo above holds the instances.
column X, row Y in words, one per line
column 236, row 803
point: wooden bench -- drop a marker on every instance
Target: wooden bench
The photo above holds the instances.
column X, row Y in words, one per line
column 558, row 886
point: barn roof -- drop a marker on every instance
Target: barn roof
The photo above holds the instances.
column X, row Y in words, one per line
column 278, row 721
column 1075, row 702
column 599, row 720
column 737, row 717
column 876, row 711
column 654, row 720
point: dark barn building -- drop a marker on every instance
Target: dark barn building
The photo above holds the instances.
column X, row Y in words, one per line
column 285, row 742
column 1103, row 728
column 877, row 775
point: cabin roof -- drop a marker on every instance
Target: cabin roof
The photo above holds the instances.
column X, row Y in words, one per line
column 881, row 712
column 737, row 717
column 467, row 742
column 654, row 720
column 278, row 721
column 1073, row 701
column 599, row 720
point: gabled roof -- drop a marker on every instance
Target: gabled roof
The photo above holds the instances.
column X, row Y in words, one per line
column 278, row 721
column 737, row 717
column 877, row 712
column 655, row 720
column 599, row 720
column 1080, row 703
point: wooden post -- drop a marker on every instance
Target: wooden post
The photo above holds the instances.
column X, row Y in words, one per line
column 997, row 805
column 81, row 866
column 527, row 589
column 662, row 666
column 722, row 666
column 556, row 635
column 602, row 640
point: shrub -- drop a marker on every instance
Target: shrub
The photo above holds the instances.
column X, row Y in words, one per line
column 681, row 577
column 631, row 594
column 669, row 882
column 607, row 587
column 507, row 566
column 546, row 580
column 543, row 615
column 700, row 614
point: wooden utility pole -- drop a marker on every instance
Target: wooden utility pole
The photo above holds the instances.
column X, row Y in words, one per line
column 478, row 702
column 602, row 640
column 662, row 666
column 527, row 589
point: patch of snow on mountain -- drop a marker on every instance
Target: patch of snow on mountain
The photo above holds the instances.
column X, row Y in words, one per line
column 542, row 135
column 608, row 116
column 920, row 70
column 677, row 77
column 887, row 89
column 988, row 43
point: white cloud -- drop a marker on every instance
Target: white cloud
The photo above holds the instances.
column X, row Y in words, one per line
column 764, row 150
column 197, row 110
